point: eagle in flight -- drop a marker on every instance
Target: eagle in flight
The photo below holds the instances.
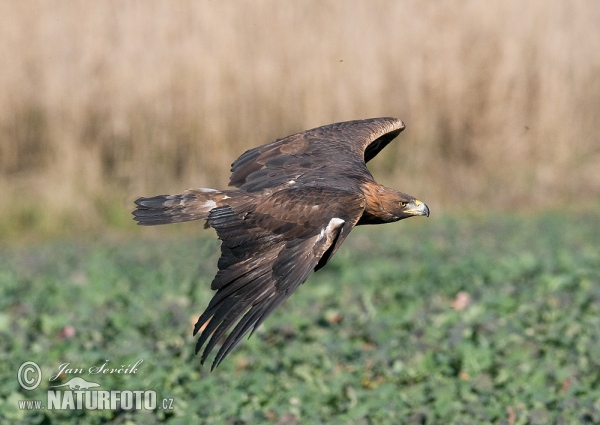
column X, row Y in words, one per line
column 297, row 199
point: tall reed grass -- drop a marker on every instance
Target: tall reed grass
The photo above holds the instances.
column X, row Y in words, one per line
column 102, row 102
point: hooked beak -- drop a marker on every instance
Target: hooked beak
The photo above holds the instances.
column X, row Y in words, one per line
column 417, row 207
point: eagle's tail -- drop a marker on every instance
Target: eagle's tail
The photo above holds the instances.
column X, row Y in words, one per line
column 194, row 204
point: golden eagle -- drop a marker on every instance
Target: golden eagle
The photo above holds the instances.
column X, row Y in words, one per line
column 297, row 198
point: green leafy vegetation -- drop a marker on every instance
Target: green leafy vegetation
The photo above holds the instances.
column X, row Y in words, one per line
column 489, row 319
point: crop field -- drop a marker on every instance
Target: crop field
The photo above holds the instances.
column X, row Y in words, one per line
column 455, row 320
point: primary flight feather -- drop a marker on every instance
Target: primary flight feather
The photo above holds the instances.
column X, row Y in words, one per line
column 297, row 198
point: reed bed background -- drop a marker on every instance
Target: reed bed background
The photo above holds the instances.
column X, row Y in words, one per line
column 102, row 102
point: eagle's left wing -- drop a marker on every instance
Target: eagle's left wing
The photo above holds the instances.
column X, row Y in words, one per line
column 324, row 152
column 269, row 247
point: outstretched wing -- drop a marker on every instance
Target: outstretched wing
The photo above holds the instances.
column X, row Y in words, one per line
column 269, row 247
column 320, row 153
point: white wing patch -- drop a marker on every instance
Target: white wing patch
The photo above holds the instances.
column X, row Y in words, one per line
column 334, row 224
column 328, row 232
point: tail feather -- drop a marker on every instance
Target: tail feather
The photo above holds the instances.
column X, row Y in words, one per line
column 194, row 204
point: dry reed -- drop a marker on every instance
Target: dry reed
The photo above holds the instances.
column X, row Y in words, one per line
column 104, row 101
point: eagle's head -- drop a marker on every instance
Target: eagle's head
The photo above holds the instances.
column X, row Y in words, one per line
column 386, row 205
column 401, row 206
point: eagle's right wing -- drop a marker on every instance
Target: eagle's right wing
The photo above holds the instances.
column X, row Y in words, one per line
column 269, row 247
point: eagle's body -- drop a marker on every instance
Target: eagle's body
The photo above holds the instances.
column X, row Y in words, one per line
column 297, row 199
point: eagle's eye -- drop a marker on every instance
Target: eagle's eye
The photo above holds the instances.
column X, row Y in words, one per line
column 403, row 204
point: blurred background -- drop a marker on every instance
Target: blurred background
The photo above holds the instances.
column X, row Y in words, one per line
column 103, row 102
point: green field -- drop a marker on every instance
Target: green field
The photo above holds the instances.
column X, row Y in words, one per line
column 374, row 338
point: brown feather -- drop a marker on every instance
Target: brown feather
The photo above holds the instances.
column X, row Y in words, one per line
column 298, row 198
